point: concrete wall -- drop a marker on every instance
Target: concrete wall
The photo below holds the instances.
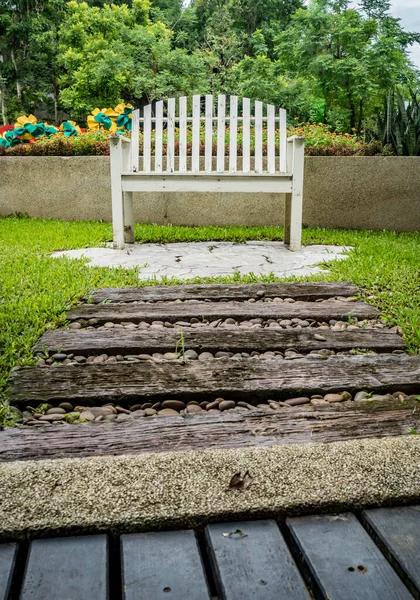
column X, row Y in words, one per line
column 340, row 192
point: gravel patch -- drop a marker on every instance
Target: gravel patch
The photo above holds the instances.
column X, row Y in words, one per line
column 188, row 489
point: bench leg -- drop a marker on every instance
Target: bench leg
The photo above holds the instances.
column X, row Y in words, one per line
column 295, row 238
column 296, row 203
column 128, row 218
column 117, row 193
column 287, row 210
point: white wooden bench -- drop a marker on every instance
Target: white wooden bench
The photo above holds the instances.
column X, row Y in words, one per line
column 277, row 169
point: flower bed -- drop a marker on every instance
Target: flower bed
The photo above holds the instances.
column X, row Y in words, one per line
column 29, row 138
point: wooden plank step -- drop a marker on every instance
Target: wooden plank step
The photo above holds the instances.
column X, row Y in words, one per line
column 254, row 563
column 127, row 382
column 304, row 290
column 336, row 422
column 213, row 339
column 67, row 568
column 397, row 531
column 8, row 554
column 343, row 560
column 162, row 565
column 181, row 311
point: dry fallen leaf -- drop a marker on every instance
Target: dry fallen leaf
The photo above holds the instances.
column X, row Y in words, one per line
column 240, row 483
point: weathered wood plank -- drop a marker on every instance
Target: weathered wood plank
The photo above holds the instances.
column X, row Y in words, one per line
column 344, row 561
column 397, row 531
column 7, row 564
column 334, row 423
column 254, row 564
column 125, row 382
column 305, row 290
column 179, row 311
column 160, row 565
column 207, row 339
column 67, row 568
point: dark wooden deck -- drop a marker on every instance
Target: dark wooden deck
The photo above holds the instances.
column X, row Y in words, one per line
column 372, row 556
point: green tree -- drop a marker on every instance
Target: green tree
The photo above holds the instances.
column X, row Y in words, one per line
column 349, row 58
column 117, row 53
column 28, row 50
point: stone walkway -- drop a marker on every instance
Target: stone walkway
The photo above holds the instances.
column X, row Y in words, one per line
column 211, row 259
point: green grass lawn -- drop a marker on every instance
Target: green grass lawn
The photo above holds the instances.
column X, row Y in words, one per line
column 36, row 290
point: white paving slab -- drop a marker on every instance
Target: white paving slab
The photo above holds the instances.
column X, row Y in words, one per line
column 211, row 259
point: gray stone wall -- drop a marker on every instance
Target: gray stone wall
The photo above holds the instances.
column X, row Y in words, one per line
column 339, row 192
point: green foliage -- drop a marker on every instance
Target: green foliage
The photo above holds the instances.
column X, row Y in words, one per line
column 349, row 58
column 116, row 52
column 320, row 140
column 324, row 61
column 399, row 124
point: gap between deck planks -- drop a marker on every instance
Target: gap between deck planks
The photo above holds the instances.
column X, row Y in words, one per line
column 127, row 382
column 179, row 311
column 305, row 290
column 120, row 341
column 338, row 422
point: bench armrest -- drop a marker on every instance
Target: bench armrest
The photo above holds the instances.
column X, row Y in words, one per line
column 115, row 137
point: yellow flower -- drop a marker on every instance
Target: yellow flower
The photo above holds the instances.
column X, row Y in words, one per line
column 23, row 120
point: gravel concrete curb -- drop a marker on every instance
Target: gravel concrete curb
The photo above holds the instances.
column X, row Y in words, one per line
column 179, row 489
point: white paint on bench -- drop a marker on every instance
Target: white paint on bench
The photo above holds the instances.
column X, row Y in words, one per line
column 276, row 167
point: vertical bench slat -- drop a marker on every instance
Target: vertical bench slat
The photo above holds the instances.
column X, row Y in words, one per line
column 183, row 134
column 196, row 134
column 170, row 151
column 221, row 124
column 271, row 145
column 147, row 139
column 209, row 134
column 283, row 141
column 158, row 136
column 233, row 136
column 258, row 136
column 135, row 130
column 246, row 123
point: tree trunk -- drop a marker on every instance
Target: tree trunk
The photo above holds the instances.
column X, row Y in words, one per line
column 18, row 84
column 352, row 117
column 3, row 105
column 359, row 124
column 55, row 100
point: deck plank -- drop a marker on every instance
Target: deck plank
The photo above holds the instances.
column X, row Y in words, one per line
column 255, row 564
column 7, row 564
column 337, row 422
column 298, row 291
column 243, row 378
column 161, row 565
column 344, row 561
column 67, row 568
column 207, row 339
column 181, row 311
column 398, row 532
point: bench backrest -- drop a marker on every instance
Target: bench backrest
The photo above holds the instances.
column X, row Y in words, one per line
column 175, row 132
